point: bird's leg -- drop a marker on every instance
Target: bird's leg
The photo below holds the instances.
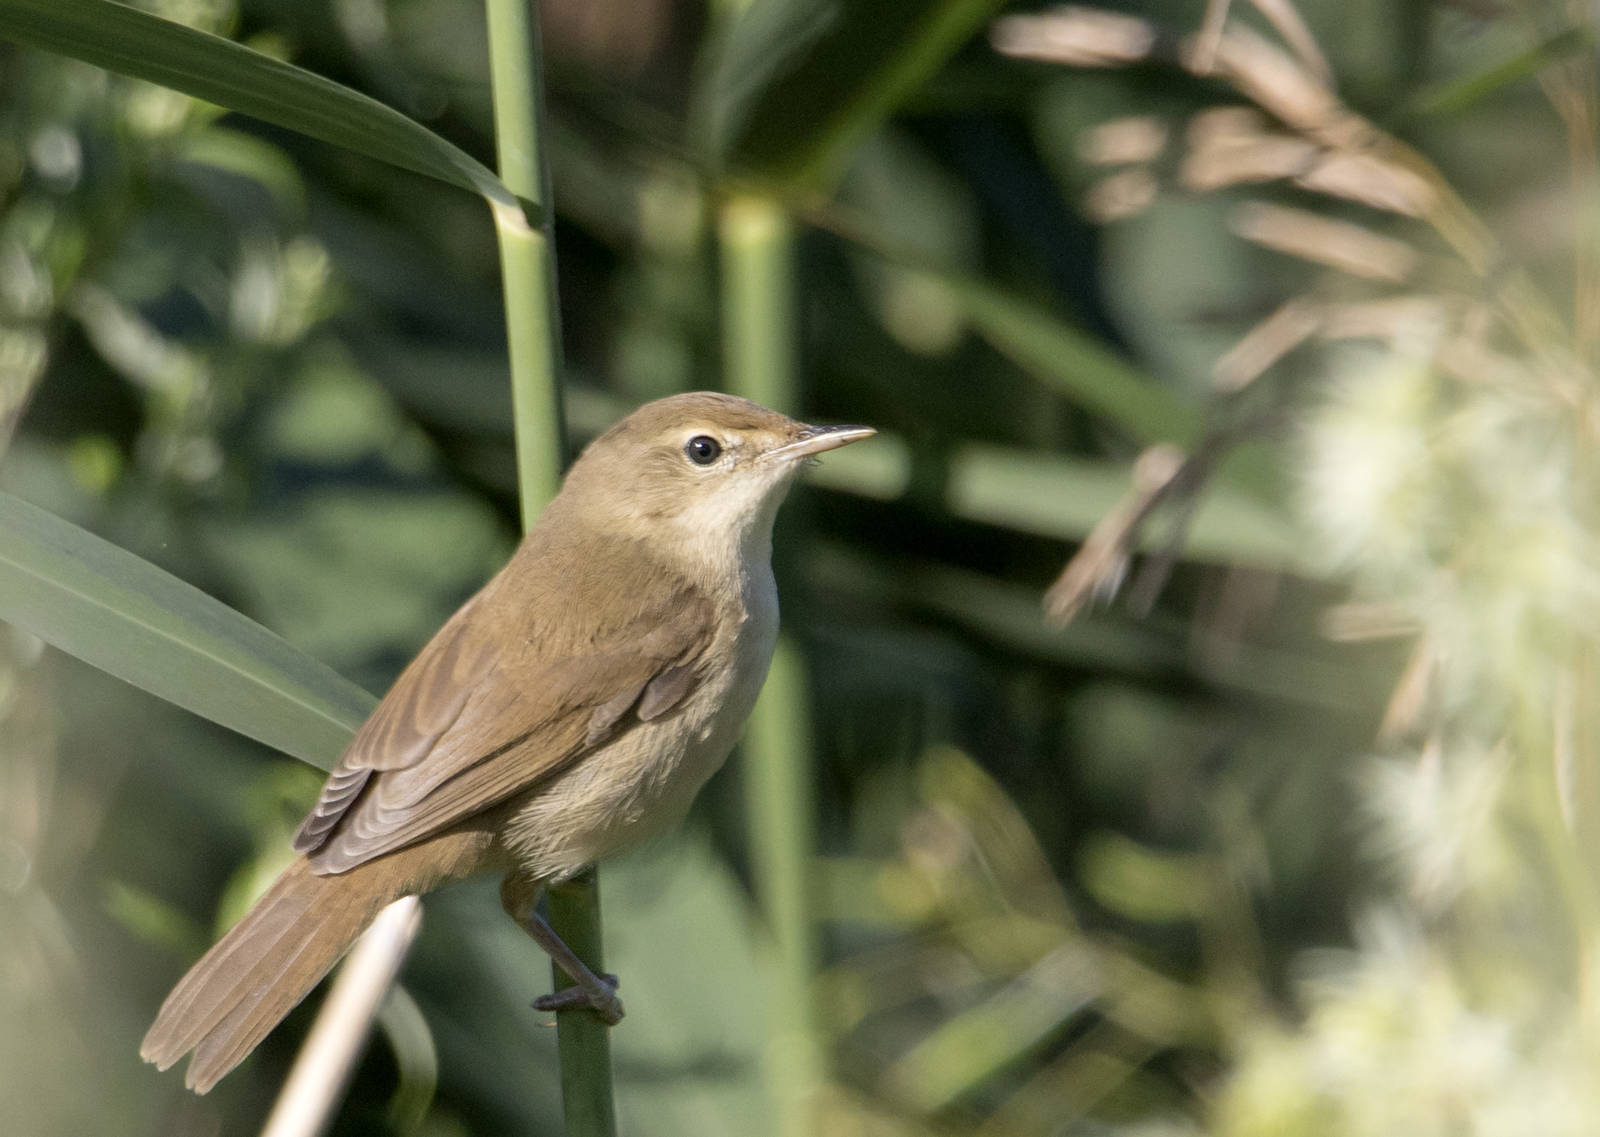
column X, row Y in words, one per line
column 596, row 992
column 520, row 896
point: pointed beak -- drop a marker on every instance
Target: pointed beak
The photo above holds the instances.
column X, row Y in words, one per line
column 815, row 439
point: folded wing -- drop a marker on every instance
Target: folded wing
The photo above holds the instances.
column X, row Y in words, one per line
column 532, row 674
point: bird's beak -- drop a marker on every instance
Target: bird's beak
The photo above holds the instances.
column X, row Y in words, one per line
column 816, row 439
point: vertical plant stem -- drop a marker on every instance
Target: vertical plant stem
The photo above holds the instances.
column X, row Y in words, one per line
column 758, row 315
column 306, row 1103
column 527, row 253
column 533, row 333
column 582, row 1040
column 758, row 301
column 777, row 750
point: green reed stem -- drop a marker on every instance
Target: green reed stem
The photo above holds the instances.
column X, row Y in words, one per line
column 527, row 254
column 533, row 332
column 583, row 1042
column 758, row 310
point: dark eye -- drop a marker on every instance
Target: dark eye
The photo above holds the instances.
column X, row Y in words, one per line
column 702, row 449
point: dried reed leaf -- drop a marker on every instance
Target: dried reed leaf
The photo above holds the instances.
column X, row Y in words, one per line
column 1410, row 697
column 1359, row 163
column 1468, row 360
column 1557, row 375
column 1225, row 124
column 1266, row 343
column 1097, row 570
column 1120, row 196
column 1124, row 141
column 1393, row 319
column 1233, row 161
column 1209, row 36
column 1270, row 77
column 1080, row 37
column 1093, row 575
column 1225, row 155
column 1289, row 24
column 1337, row 244
column 1370, row 179
column 1363, row 621
column 1564, row 746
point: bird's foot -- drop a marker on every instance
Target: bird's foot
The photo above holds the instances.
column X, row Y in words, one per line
column 601, row 999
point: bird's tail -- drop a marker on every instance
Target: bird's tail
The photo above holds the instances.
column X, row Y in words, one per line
column 274, row 956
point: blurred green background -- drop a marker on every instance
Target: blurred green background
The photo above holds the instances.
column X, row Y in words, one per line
column 1289, row 835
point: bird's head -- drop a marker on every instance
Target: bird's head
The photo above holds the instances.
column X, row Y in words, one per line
column 703, row 472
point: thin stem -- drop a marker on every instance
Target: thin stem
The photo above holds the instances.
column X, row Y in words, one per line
column 527, row 254
column 777, row 754
column 305, row 1104
column 583, row 1042
column 533, row 333
column 758, row 300
column 759, row 333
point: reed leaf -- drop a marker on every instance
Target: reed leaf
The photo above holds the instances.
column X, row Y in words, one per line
column 217, row 70
column 800, row 82
column 125, row 616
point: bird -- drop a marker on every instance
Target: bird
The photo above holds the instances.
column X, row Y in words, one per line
column 568, row 711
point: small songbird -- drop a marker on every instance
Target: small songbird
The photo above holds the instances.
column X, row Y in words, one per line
column 569, row 710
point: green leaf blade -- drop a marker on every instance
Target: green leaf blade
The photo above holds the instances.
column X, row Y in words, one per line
column 1462, row 92
column 800, row 82
column 134, row 43
column 123, row 615
column 1079, row 365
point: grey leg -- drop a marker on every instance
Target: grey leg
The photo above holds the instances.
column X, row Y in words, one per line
column 597, row 993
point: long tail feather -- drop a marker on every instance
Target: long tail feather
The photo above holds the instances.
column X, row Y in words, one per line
column 272, row 958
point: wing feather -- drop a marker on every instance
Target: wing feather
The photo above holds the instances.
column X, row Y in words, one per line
column 667, row 690
column 424, row 703
column 500, row 699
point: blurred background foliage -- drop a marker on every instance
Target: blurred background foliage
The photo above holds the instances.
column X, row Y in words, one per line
column 1289, row 830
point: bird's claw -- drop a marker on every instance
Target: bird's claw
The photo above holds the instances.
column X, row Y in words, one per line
column 602, row 1000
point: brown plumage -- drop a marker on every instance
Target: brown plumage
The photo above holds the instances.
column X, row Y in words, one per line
column 569, row 709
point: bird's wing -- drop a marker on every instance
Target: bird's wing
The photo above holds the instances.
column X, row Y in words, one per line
column 404, row 729
column 499, row 699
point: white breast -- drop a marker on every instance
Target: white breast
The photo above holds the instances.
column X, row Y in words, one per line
column 644, row 782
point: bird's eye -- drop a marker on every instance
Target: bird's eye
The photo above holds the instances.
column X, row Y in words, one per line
column 702, row 449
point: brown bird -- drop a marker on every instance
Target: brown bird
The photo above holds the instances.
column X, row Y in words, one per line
column 569, row 710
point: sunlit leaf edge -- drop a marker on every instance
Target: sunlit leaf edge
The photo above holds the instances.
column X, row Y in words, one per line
column 127, row 617
column 205, row 66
